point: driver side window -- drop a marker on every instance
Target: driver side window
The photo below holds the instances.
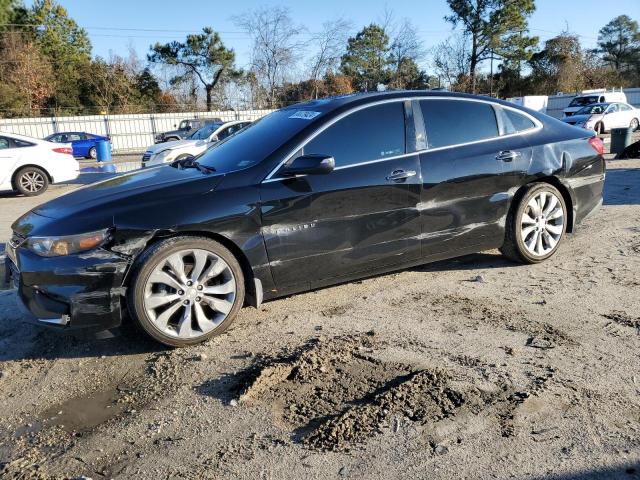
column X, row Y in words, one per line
column 370, row 134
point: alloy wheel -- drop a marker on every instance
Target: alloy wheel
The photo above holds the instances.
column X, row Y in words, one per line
column 542, row 224
column 189, row 293
column 32, row 181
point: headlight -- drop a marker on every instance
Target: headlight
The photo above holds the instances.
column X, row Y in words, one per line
column 165, row 156
column 58, row 246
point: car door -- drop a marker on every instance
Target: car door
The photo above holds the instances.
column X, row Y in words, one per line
column 358, row 219
column 612, row 117
column 626, row 114
column 8, row 159
column 467, row 170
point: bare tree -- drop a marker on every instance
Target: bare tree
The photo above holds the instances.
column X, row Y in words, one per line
column 331, row 43
column 405, row 47
column 451, row 61
column 276, row 43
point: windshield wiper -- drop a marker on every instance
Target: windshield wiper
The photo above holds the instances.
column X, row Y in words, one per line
column 191, row 163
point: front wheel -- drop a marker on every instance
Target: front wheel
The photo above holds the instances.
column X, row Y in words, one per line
column 634, row 125
column 185, row 290
column 93, row 154
column 31, row 181
column 535, row 225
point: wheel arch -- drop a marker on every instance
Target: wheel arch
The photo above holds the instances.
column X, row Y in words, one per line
column 22, row 167
column 233, row 247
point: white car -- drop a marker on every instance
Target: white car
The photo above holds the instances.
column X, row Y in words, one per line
column 602, row 117
column 591, row 97
column 197, row 143
column 29, row 165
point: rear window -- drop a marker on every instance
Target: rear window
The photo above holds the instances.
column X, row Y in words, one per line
column 515, row 122
column 454, row 122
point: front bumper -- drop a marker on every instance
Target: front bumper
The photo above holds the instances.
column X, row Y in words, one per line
column 76, row 291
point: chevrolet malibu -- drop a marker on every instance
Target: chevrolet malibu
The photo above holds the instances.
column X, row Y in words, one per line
column 311, row 195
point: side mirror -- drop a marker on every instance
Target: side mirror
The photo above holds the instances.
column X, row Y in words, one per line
column 175, row 126
column 312, row 164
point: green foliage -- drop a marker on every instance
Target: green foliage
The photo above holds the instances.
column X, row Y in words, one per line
column 202, row 56
column 496, row 26
column 619, row 44
column 366, row 60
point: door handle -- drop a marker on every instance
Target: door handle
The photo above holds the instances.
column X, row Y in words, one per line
column 399, row 175
column 507, row 155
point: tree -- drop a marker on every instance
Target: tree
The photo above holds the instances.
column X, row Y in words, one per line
column 619, row 43
column 494, row 26
column 26, row 78
column 367, row 60
column 203, row 56
column 404, row 53
column 275, row 46
column 330, row 42
column 559, row 66
column 66, row 47
column 451, row 62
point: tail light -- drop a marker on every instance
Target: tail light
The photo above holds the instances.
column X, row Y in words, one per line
column 597, row 144
column 64, row 150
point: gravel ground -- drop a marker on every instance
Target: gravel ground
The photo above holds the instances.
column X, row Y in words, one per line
column 471, row 368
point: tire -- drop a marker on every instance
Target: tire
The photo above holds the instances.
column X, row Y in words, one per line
column 599, row 128
column 93, row 154
column 634, row 124
column 31, row 181
column 176, row 313
column 520, row 243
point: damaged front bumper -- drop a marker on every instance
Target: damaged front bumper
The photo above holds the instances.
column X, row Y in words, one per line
column 75, row 291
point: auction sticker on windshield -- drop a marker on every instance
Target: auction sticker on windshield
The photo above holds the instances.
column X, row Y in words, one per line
column 305, row 114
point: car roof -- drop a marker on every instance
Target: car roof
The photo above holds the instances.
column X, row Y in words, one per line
column 331, row 103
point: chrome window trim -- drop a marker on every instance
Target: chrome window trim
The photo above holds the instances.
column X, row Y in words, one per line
column 537, row 123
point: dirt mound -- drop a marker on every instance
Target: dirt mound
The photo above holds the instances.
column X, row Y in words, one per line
column 337, row 392
column 422, row 396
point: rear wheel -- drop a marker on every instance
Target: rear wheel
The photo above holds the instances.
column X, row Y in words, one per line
column 633, row 125
column 31, row 181
column 185, row 290
column 536, row 225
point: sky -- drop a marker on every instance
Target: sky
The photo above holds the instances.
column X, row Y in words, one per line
column 116, row 25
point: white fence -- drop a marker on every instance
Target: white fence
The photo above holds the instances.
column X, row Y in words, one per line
column 557, row 103
column 128, row 133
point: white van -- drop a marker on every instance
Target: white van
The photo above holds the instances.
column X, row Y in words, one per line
column 588, row 97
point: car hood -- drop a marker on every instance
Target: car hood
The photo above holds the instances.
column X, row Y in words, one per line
column 100, row 204
column 160, row 147
column 581, row 118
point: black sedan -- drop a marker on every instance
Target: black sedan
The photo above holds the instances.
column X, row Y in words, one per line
column 311, row 195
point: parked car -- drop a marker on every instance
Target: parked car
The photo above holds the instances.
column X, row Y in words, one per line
column 194, row 145
column 602, row 117
column 589, row 97
column 311, row 195
column 29, row 165
column 185, row 128
column 84, row 144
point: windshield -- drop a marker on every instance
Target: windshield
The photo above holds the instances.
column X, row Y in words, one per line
column 593, row 109
column 204, row 132
column 257, row 141
column 582, row 101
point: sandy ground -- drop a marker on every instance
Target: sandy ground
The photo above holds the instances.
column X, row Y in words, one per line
column 471, row 368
